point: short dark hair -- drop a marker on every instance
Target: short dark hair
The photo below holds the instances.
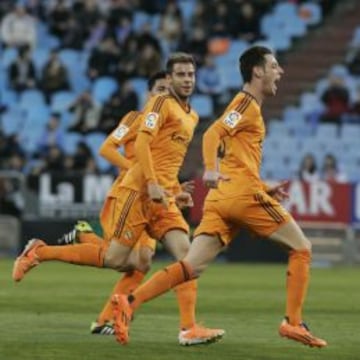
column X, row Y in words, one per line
column 179, row 58
column 153, row 78
column 254, row 56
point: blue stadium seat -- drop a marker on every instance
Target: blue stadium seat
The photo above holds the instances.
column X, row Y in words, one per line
column 203, row 105
column 278, row 40
column 31, row 98
column 70, row 142
column 103, row 88
column 61, row 100
column 277, row 129
column 94, row 141
column 139, row 20
column 327, row 131
column 314, row 11
column 40, row 56
column 12, row 121
column 8, row 56
column 9, row 98
column 350, row 131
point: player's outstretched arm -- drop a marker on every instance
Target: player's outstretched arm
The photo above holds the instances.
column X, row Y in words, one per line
column 109, row 150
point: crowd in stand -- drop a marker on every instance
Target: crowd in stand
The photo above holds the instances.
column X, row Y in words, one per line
column 104, row 30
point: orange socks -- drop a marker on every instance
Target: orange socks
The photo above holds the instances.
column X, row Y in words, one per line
column 89, row 238
column 186, row 295
column 297, row 284
column 161, row 282
column 126, row 285
column 80, row 254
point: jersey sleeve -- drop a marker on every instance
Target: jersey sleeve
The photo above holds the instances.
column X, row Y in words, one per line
column 154, row 115
column 126, row 129
column 236, row 117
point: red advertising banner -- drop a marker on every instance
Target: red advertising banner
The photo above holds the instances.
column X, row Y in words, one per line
column 317, row 201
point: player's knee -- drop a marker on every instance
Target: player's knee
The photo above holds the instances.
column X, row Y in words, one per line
column 115, row 262
column 182, row 250
column 145, row 260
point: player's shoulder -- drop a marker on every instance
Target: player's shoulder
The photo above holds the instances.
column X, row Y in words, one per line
column 130, row 118
column 244, row 102
column 157, row 102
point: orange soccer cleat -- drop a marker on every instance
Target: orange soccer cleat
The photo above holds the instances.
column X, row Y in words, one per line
column 300, row 333
column 122, row 317
column 27, row 260
column 197, row 335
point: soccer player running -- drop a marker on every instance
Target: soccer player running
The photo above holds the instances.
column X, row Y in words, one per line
column 146, row 199
column 238, row 198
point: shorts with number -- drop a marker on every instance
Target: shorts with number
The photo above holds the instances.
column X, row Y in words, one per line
column 259, row 213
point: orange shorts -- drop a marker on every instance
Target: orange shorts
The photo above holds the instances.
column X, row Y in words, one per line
column 130, row 218
column 122, row 218
column 163, row 220
column 259, row 213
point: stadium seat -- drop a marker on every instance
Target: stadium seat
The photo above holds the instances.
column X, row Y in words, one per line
column 103, row 88
column 327, row 131
column 31, row 98
column 203, row 105
column 350, row 131
column 71, row 141
column 139, row 20
column 40, row 56
column 7, row 57
column 61, row 100
column 311, row 13
column 12, row 121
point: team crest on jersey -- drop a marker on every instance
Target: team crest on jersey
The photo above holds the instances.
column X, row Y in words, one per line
column 232, row 119
column 151, row 120
column 120, row 132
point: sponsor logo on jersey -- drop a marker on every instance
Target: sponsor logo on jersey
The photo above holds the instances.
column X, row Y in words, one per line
column 232, row 119
column 120, row 132
column 151, row 120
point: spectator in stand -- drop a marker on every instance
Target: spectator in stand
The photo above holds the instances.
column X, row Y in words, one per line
column 220, row 21
column 97, row 34
column 145, row 36
column 336, row 99
column 75, row 36
column 149, row 61
column 355, row 107
column 18, row 28
column 330, row 170
column 104, row 59
column 209, row 80
column 54, row 76
column 22, row 74
column 123, row 30
column 353, row 62
column 196, row 44
column 121, row 102
column 59, row 17
column 82, row 156
column 36, row 8
column 86, row 114
column 126, row 66
column 52, row 161
column 8, row 205
column 249, row 22
column 308, row 169
column 87, row 14
column 52, row 135
column 9, row 146
column 171, row 25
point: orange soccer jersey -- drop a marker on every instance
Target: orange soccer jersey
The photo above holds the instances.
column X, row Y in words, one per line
column 241, row 201
column 171, row 125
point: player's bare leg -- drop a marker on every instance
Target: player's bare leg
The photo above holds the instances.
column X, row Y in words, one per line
column 291, row 236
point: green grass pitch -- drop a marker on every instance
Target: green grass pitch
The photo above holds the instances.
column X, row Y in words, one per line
column 47, row 315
